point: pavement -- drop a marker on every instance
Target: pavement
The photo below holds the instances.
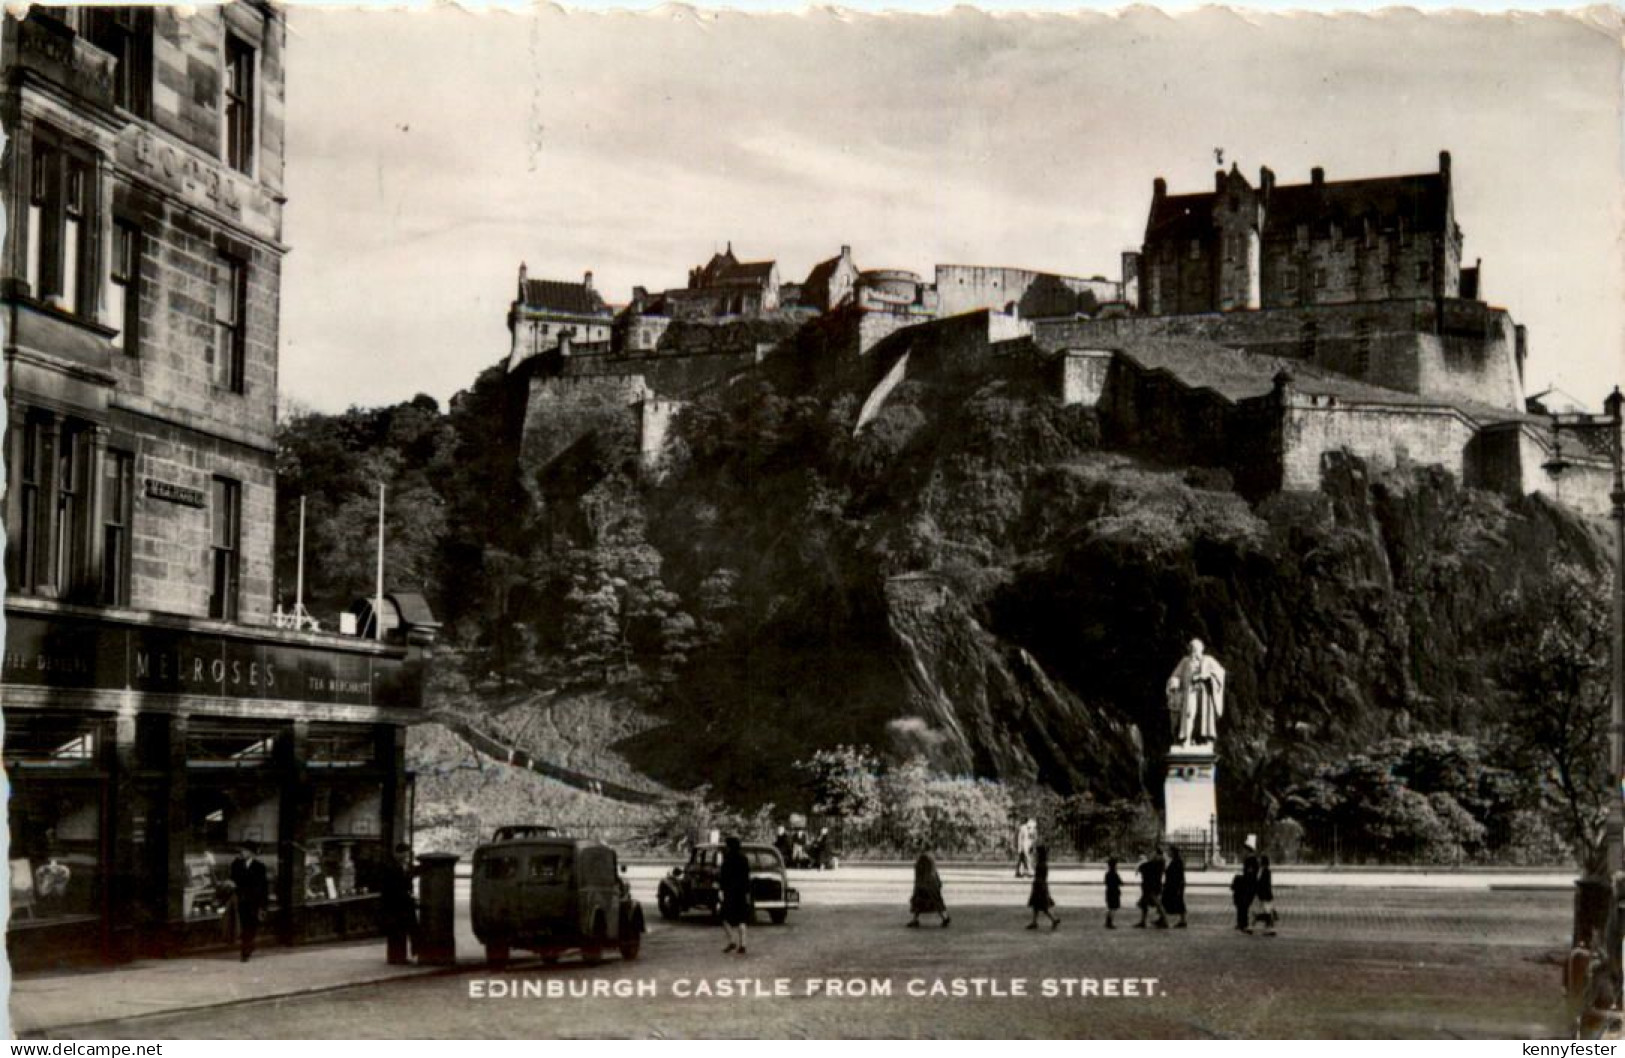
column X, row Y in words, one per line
column 46, row 1003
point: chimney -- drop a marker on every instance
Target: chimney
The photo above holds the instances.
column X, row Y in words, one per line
column 1218, row 179
column 523, row 274
column 846, row 251
column 1444, row 163
column 1317, row 176
column 1266, row 179
column 587, row 281
column 1159, row 188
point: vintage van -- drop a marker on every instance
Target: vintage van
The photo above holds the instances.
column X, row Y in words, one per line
column 552, row 894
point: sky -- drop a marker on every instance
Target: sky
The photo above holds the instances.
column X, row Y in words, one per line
column 431, row 152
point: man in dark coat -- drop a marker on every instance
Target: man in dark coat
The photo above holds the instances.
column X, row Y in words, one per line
column 396, row 906
column 252, row 884
column 1173, row 886
column 733, row 887
column 1151, row 890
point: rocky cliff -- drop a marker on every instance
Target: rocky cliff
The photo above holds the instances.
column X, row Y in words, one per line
column 972, row 577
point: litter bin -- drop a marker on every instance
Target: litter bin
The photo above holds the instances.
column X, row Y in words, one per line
column 437, row 908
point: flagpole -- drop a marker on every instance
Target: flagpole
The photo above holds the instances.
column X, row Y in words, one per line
column 378, row 595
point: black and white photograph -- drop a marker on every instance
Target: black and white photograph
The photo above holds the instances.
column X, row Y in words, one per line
column 557, row 523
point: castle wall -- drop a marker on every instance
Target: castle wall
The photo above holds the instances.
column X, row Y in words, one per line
column 559, row 411
column 966, row 288
column 1517, row 459
column 1383, row 436
column 1452, row 350
column 655, row 420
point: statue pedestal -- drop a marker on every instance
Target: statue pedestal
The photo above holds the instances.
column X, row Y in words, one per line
column 1189, row 797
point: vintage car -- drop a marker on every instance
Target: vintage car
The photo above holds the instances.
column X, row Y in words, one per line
column 695, row 883
column 551, row 894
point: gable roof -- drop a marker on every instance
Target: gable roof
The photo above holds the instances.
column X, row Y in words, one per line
column 552, row 295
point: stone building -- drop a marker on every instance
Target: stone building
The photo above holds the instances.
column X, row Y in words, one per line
column 547, row 312
column 154, row 715
column 1360, row 277
column 726, row 286
column 1241, row 247
column 829, row 285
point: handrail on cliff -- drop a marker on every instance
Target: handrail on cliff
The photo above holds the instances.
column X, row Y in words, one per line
column 515, row 757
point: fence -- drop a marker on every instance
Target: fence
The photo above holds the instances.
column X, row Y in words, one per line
column 883, row 840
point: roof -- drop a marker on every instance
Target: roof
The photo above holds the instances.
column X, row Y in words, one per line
column 552, row 295
column 745, row 272
column 819, row 276
column 1237, row 375
column 1421, row 201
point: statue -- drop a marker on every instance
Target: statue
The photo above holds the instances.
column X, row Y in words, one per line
column 1196, row 698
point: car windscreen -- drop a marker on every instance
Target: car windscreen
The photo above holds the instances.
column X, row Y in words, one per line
column 763, row 859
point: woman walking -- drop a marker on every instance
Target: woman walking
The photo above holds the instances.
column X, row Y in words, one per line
column 1243, row 887
column 927, row 896
column 1264, row 898
column 1040, row 899
column 733, row 881
column 1173, row 886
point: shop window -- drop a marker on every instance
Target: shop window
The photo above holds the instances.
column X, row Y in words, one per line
column 226, row 355
column 59, row 228
column 225, row 516
column 238, row 111
column 56, row 808
column 124, row 280
column 222, row 817
column 118, row 483
column 341, row 749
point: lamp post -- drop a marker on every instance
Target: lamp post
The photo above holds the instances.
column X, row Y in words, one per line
column 1595, row 915
column 1613, row 407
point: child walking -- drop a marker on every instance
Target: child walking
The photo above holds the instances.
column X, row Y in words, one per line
column 1040, row 899
column 1114, row 892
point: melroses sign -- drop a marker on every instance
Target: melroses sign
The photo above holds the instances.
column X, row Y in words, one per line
column 72, row 651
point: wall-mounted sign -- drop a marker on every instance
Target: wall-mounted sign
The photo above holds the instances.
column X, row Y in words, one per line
column 78, row 652
column 184, row 495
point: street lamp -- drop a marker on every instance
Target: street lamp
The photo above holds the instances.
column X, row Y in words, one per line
column 1596, row 916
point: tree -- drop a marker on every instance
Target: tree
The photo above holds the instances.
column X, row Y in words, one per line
column 843, row 782
column 1560, row 699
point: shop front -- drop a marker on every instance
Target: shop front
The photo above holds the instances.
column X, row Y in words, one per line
column 145, row 753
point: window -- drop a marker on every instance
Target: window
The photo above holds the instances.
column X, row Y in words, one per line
column 125, row 33
column 71, row 453
column 1320, row 278
column 124, row 299
column 118, row 482
column 1423, row 271
column 239, row 105
column 59, row 228
column 226, row 513
column 26, row 539
column 230, row 295
column 1196, row 249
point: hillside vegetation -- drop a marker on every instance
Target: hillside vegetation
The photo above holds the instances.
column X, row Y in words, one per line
column 972, row 580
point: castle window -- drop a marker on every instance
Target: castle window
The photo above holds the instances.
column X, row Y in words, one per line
column 1303, row 235
column 1308, row 339
column 238, row 109
column 1196, row 249
column 1423, row 271
column 1320, row 278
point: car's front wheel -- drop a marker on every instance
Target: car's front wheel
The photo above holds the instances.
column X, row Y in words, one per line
column 669, row 908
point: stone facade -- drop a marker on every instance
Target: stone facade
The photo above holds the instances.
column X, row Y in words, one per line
column 1021, row 292
column 155, row 715
column 141, row 279
column 1242, row 247
column 1451, row 349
